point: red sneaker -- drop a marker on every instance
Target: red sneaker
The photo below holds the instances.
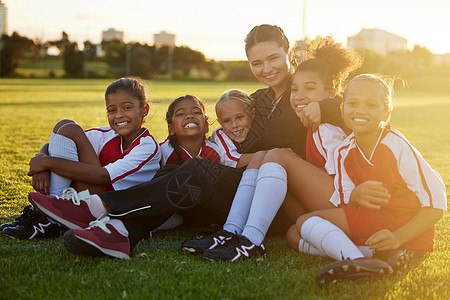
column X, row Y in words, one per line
column 71, row 210
column 99, row 239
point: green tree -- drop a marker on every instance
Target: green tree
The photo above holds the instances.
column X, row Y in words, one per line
column 73, row 60
column 13, row 50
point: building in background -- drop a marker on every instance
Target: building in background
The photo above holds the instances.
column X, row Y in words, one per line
column 112, row 34
column 3, row 18
column 377, row 40
column 164, row 39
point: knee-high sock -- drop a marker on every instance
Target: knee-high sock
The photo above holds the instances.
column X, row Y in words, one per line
column 240, row 208
column 329, row 238
column 307, row 248
column 61, row 147
column 271, row 188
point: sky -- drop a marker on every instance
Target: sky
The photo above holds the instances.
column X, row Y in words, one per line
column 217, row 28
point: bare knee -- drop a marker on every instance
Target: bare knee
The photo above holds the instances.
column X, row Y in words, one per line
column 276, row 155
column 62, row 123
column 292, row 237
column 68, row 128
column 257, row 160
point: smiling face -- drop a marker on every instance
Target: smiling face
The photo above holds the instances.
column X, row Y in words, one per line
column 307, row 87
column 235, row 118
column 125, row 115
column 364, row 110
column 270, row 64
column 188, row 120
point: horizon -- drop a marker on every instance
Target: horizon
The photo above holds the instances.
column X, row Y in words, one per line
column 220, row 37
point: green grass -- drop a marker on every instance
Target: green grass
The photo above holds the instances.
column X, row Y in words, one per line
column 43, row 269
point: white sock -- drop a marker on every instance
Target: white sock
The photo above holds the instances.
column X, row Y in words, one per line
column 172, row 222
column 271, row 188
column 366, row 251
column 119, row 226
column 61, row 147
column 307, row 248
column 96, row 206
column 328, row 238
column 240, row 208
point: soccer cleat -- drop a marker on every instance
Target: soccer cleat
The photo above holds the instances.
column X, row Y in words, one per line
column 238, row 247
column 354, row 270
column 208, row 242
column 34, row 228
column 397, row 258
column 99, row 239
column 71, row 210
column 27, row 214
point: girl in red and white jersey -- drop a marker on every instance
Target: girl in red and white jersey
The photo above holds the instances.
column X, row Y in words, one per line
column 395, row 198
column 110, row 158
column 188, row 124
column 106, row 158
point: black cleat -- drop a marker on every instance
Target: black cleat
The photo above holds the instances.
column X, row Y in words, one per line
column 208, row 242
column 36, row 227
column 238, row 247
column 27, row 214
column 354, row 270
column 397, row 258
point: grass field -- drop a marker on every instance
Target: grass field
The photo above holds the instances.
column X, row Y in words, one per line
column 41, row 269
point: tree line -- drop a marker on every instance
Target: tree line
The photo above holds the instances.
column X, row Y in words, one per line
column 182, row 62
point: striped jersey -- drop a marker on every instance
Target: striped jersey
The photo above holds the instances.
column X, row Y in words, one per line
column 321, row 144
column 129, row 167
column 394, row 162
column 228, row 150
column 208, row 151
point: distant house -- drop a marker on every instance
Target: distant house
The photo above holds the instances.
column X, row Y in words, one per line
column 112, row 34
column 3, row 19
column 442, row 58
column 164, row 39
column 377, row 40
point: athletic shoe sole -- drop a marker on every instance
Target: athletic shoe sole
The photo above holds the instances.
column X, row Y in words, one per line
column 354, row 270
column 398, row 258
column 80, row 246
column 52, row 216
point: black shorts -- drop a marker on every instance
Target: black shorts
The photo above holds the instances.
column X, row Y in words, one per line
column 200, row 190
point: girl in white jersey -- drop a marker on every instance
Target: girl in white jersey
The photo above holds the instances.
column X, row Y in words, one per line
column 110, row 158
column 394, row 196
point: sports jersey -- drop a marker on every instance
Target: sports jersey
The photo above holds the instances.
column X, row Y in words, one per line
column 321, row 144
column 207, row 151
column 135, row 165
column 411, row 183
column 228, row 150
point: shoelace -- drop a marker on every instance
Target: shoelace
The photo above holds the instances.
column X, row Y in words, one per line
column 30, row 216
column 72, row 194
column 100, row 223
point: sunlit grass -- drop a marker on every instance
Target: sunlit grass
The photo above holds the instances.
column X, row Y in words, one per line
column 158, row 269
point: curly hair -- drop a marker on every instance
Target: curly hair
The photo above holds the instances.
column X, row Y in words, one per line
column 330, row 60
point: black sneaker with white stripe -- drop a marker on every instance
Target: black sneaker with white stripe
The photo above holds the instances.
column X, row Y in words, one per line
column 27, row 214
column 237, row 248
column 36, row 226
column 208, row 242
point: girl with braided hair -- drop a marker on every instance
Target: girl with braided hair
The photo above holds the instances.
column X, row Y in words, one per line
column 187, row 123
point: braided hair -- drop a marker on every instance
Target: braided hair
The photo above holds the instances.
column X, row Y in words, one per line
column 173, row 141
